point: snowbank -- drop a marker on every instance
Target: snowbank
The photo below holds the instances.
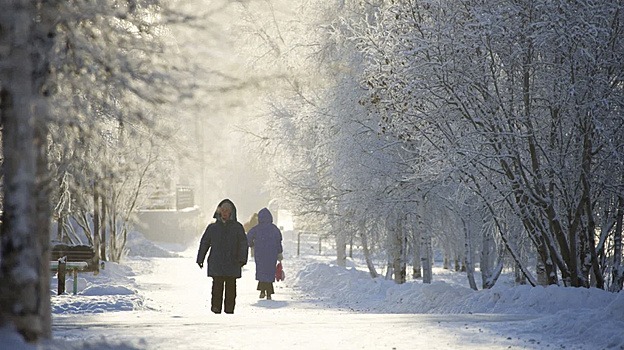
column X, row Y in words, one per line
column 572, row 314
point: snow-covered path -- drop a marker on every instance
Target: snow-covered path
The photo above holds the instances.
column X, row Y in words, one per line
column 177, row 316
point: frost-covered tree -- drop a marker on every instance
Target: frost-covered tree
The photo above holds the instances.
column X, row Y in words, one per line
column 516, row 96
column 110, row 85
column 335, row 165
column 24, row 276
column 69, row 71
column 410, row 102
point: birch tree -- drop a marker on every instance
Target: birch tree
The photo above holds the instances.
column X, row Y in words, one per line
column 42, row 64
column 24, row 287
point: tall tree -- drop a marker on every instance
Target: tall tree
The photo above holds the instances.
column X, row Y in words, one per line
column 56, row 65
column 512, row 105
column 24, row 283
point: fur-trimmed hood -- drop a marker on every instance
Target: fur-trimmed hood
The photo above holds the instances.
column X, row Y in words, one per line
column 217, row 215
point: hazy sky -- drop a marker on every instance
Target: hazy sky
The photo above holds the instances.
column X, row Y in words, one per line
column 223, row 103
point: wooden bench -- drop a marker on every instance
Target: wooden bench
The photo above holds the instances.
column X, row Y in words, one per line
column 75, row 258
column 61, row 266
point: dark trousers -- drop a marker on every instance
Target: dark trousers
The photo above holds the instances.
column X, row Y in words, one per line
column 267, row 287
column 218, row 284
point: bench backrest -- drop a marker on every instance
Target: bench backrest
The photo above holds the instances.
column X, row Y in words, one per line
column 75, row 253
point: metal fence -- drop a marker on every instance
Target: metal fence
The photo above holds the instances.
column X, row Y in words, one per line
column 312, row 243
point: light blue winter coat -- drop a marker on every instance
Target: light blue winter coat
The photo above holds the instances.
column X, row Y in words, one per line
column 266, row 239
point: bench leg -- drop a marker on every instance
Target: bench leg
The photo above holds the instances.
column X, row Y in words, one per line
column 75, row 281
column 61, row 278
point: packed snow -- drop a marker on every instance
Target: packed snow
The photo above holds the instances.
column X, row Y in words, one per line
column 158, row 298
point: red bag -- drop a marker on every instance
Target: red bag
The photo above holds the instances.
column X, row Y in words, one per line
column 279, row 272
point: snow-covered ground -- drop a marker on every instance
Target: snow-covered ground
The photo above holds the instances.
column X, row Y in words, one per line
column 159, row 299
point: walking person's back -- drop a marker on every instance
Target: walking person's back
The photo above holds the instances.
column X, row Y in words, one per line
column 266, row 239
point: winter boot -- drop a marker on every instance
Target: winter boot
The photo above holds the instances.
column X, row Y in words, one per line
column 262, row 294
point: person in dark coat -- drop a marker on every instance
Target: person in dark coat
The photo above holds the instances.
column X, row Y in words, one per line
column 228, row 254
column 266, row 239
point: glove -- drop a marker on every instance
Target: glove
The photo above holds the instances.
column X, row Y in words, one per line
column 201, row 265
column 280, row 257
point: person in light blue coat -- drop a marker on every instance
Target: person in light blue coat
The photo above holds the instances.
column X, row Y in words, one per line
column 266, row 239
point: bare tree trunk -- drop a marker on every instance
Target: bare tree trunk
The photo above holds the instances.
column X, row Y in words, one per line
column 103, row 230
column 389, row 270
column 59, row 229
column 44, row 214
column 367, row 256
column 488, row 252
column 427, row 259
column 112, row 230
column 426, row 245
column 341, row 248
column 416, row 254
column 617, row 277
column 396, row 236
column 43, row 39
column 541, row 269
column 20, row 245
column 469, row 264
column 404, row 250
column 96, row 223
column 84, row 221
column 446, row 264
column 351, row 235
column 519, row 276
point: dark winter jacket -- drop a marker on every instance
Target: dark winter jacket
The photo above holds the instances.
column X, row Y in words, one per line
column 228, row 246
column 266, row 239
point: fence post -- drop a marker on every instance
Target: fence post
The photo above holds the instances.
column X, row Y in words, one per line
column 298, row 242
